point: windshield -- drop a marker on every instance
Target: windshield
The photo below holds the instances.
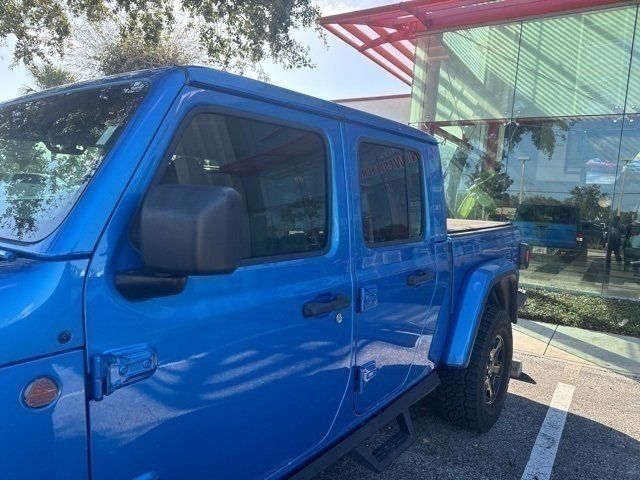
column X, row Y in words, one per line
column 558, row 214
column 49, row 149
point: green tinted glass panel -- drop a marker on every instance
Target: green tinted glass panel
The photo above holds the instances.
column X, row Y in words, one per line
column 561, row 156
column 419, row 93
column 474, row 71
column 633, row 95
column 627, row 185
column 575, row 64
column 474, row 173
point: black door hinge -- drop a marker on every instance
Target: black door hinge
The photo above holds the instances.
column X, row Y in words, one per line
column 119, row 368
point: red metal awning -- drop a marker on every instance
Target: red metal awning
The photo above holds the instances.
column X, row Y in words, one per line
column 387, row 34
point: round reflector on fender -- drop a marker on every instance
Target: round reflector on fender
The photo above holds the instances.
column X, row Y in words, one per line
column 41, row 392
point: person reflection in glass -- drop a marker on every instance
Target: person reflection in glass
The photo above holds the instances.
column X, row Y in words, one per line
column 615, row 240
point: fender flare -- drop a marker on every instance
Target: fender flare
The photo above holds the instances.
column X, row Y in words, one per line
column 470, row 305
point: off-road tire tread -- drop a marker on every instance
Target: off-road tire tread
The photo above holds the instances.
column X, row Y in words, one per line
column 455, row 397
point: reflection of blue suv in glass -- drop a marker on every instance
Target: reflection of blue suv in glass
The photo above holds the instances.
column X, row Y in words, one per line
column 551, row 229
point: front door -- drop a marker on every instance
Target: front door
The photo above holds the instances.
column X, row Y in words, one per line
column 395, row 264
column 245, row 382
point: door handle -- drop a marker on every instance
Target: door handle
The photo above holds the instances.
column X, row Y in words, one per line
column 316, row 307
column 419, row 278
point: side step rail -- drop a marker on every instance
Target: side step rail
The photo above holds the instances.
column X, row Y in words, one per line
column 379, row 458
column 355, row 440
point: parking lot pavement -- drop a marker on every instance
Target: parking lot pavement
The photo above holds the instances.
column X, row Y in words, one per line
column 600, row 440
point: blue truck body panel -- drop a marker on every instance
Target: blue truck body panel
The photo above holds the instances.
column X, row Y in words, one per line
column 470, row 306
column 239, row 383
column 50, row 442
column 40, row 300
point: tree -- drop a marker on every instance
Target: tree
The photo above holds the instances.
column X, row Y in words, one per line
column 232, row 34
column 47, row 76
column 587, row 198
column 100, row 50
column 486, row 189
column 544, row 136
column 542, row 200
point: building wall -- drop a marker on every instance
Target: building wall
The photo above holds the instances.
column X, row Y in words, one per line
column 394, row 107
column 539, row 123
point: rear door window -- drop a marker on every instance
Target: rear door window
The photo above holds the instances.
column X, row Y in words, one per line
column 391, row 193
column 281, row 173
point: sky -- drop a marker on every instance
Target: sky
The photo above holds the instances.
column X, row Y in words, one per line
column 341, row 71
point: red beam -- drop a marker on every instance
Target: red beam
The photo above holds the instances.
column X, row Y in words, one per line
column 353, row 30
column 509, row 11
column 366, row 53
column 422, row 10
column 394, row 39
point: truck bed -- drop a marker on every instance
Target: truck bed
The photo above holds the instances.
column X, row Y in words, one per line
column 455, row 225
column 476, row 241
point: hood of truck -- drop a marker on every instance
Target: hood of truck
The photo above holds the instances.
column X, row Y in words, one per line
column 41, row 308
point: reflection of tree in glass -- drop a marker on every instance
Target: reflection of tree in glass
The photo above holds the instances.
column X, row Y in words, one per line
column 487, row 186
column 49, row 149
column 542, row 200
column 543, row 134
column 586, row 198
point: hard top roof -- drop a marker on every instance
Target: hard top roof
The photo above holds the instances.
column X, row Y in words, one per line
column 216, row 79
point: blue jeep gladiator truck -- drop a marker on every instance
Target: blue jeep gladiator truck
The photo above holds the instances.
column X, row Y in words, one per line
column 204, row 276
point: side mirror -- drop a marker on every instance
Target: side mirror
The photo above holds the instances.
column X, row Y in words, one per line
column 192, row 229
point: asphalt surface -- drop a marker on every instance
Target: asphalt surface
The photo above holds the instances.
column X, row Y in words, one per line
column 600, row 440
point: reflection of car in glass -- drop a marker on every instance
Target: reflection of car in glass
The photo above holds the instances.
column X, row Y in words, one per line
column 631, row 243
column 551, row 229
column 32, row 186
column 595, row 234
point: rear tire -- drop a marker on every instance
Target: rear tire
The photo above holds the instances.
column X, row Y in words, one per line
column 470, row 397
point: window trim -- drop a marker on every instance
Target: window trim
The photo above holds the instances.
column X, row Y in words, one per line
column 185, row 121
column 420, row 238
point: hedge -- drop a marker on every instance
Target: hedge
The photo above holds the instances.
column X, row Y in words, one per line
column 592, row 312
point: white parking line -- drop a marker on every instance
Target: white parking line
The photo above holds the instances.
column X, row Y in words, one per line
column 544, row 450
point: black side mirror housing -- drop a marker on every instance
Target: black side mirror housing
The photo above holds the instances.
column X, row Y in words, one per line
column 192, row 229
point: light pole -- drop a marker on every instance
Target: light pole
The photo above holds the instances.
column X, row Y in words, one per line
column 524, row 160
column 624, row 178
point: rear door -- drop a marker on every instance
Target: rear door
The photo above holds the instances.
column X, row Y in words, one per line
column 246, row 384
column 395, row 265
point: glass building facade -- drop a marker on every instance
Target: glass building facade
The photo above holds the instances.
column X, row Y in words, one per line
column 539, row 124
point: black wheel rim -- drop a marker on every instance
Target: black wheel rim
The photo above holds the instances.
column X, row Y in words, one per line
column 494, row 375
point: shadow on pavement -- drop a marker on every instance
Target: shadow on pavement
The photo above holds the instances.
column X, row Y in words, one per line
column 588, row 449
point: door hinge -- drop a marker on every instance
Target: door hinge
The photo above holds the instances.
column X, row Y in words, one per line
column 368, row 298
column 364, row 374
column 119, row 368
